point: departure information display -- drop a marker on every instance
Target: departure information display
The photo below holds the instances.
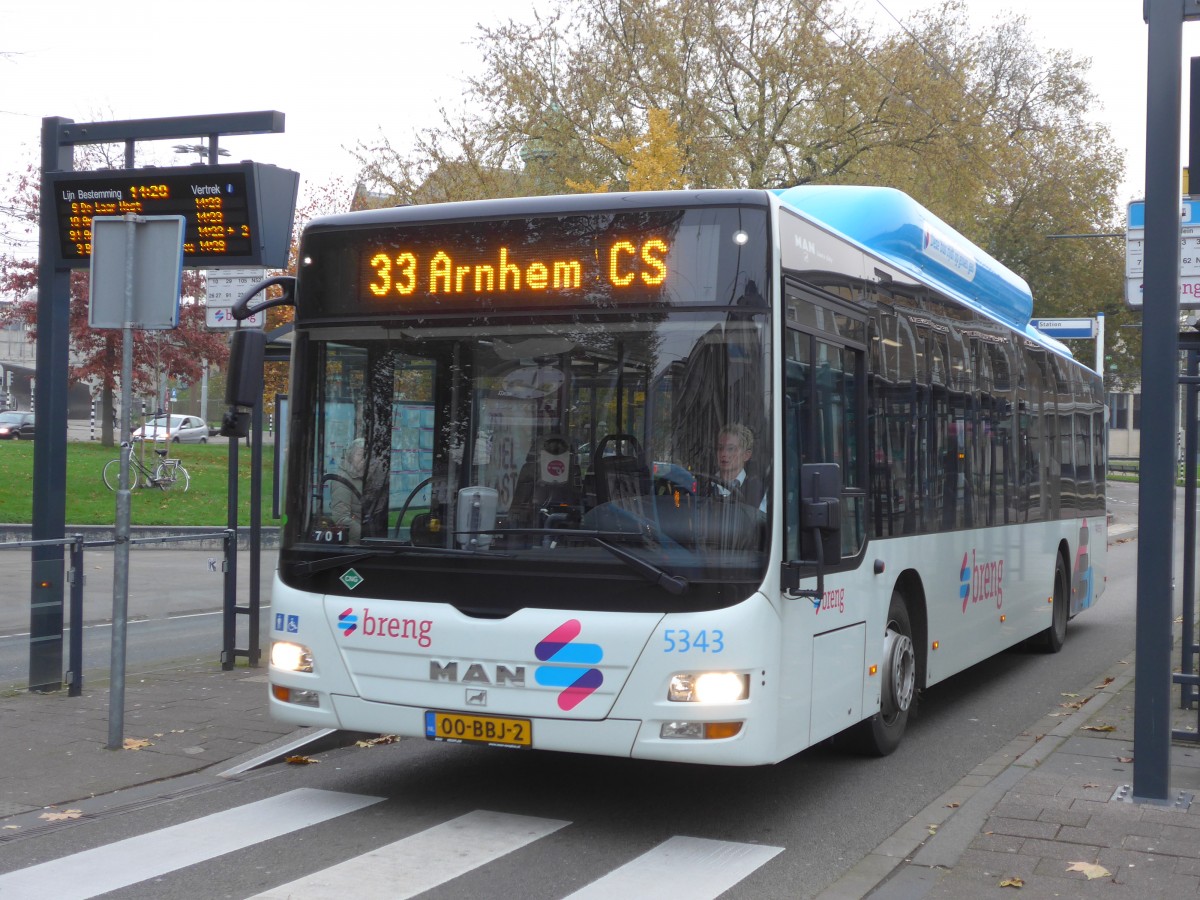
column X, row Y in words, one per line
column 219, row 205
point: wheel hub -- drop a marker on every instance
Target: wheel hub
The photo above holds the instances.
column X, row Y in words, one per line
column 900, row 672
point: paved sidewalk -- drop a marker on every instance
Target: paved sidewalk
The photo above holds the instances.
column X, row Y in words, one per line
column 176, row 722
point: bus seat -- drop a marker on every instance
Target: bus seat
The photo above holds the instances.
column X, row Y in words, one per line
column 622, row 475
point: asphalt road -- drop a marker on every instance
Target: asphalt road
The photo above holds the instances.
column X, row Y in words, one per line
column 826, row 810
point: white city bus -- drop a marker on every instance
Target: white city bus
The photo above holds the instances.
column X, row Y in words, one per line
column 542, row 546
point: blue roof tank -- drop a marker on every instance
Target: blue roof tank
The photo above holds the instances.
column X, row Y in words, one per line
column 891, row 225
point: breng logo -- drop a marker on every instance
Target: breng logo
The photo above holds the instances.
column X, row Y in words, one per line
column 980, row 581
column 347, row 622
column 577, row 679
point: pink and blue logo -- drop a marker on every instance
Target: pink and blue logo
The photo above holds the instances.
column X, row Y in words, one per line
column 347, row 622
column 573, row 670
column 964, row 577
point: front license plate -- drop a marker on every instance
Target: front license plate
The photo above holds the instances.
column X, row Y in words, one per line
column 463, row 729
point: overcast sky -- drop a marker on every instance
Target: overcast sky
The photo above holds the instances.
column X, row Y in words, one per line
column 345, row 71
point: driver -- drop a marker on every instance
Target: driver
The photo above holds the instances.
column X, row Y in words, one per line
column 735, row 447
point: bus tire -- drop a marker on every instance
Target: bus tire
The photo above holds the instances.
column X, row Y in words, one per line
column 1052, row 639
column 881, row 734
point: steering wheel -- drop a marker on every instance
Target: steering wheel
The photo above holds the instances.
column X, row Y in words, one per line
column 705, row 484
column 407, row 503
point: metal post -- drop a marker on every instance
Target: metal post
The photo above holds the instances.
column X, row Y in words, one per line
column 1160, row 373
column 116, row 702
column 75, row 649
column 252, row 647
column 50, row 458
column 229, row 631
column 1187, row 691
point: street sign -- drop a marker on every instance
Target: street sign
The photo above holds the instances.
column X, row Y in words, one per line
column 1189, row 254
column 222, row 289
column 156, row 246
column 1066, row 328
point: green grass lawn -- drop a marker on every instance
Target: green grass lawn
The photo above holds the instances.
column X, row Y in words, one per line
column 89, row 502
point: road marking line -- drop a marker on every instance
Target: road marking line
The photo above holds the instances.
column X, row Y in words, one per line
column 124, row 863
column 696, row 868
column 421, row 861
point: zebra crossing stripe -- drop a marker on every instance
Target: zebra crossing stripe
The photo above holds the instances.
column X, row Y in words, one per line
column 421, row 861
column 121, row 864
column 696, row 868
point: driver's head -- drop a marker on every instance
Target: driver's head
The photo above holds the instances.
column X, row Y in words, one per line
column 735, row 446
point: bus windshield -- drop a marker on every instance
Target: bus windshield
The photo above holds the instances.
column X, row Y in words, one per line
column 621, row 446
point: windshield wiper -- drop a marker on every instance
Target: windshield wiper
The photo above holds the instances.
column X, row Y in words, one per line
column 308, row 566
column 672, row 584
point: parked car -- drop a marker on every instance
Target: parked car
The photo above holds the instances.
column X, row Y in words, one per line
column 16, row 426
column 179, row 429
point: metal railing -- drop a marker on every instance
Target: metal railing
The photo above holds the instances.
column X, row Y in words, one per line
column 75, row 578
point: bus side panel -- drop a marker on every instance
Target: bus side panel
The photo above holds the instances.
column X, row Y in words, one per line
column 828, row 650
column 985, row 589
column 837, row 702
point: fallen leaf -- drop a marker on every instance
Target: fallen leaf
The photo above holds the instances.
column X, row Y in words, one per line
column 61, row 816
column 136, row 743
column 933, row 829
column 12, row 827
column 1106, row 682
column 1125, row 759
column 1091, row 784
column 1099, row 727
column 953, row 805
column 382, row 739
column 1091, row 870
column 1013, row 882
column 1065, row 694
column 300, row 760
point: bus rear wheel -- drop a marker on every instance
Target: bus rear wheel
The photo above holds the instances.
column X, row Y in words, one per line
column 881, row 734
column 1052, row 639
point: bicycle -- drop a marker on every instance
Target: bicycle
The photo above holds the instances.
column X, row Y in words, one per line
column 168, row 474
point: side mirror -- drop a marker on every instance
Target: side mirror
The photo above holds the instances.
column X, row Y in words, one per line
column 820, row 527
column 821, row 513
column 244, row 379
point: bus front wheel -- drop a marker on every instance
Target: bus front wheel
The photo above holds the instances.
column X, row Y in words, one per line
column 881, row 734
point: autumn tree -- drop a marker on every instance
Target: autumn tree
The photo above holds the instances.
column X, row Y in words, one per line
column 984, row 127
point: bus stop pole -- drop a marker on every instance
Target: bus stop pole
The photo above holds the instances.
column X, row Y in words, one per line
column 1160, row 384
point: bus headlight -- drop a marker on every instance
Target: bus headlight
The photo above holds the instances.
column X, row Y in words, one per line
column 291, row 657
column 708, row 687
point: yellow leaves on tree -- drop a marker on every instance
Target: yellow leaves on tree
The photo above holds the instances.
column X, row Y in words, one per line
column 653, row 160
